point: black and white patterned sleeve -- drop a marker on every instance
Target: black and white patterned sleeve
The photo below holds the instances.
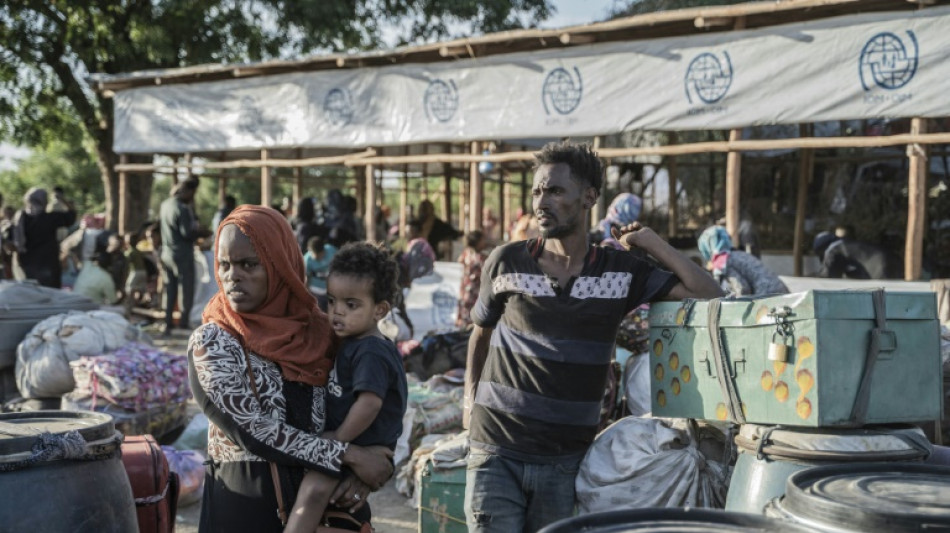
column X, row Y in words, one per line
column 241, row 427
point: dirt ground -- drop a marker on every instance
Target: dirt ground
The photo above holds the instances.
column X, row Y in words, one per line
column 391, row 510
column 391, row 513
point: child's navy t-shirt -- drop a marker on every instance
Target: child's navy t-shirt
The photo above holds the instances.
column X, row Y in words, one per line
column 370, row 364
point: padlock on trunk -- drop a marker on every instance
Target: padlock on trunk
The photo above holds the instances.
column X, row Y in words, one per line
column 778, row 351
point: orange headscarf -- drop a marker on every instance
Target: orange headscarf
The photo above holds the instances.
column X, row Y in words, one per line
column 288, row 328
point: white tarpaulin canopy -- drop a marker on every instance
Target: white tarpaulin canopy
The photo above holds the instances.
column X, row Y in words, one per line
column 891, row 64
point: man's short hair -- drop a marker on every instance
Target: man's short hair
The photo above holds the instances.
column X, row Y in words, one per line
column 580, row 158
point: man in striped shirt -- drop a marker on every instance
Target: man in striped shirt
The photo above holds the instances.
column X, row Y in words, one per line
column 545, row 324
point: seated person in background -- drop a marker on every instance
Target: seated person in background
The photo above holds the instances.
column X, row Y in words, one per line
column 367, row 392
column 843, row 257
column 94, row 281
column 737, row 272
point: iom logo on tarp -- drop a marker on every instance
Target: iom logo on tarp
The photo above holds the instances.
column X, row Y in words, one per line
column 562, row 91
column 338, row 107
column 708, row 78
column 887, row 61
column 441, row 100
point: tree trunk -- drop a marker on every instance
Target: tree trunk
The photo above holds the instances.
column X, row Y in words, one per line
column 139, row 188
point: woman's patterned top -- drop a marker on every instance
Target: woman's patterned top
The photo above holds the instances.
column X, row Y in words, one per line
column 242, row 428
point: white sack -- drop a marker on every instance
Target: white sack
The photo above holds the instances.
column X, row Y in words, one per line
column 643, row 462
column 636, row 384
column 43, row 357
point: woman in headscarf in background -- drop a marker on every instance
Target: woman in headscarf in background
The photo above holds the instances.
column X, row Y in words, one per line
column 34, row 236
column 738, row 273
column 624, row 209
column 258, row 367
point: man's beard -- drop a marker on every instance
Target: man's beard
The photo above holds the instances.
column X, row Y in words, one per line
column 560, row 230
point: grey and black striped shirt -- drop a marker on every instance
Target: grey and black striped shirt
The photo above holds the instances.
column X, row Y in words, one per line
column 542, row 386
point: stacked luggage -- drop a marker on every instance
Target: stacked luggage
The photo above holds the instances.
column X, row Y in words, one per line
column 812, row 379
column 22, row 306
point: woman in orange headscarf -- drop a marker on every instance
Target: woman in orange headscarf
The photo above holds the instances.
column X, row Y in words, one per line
column 258, row 366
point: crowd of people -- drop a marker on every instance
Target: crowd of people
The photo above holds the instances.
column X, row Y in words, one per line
column 304, row 392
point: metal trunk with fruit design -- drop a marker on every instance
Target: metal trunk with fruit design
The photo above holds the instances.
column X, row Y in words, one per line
column 815, row 358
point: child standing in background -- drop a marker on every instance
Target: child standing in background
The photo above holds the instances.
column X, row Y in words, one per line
column 367, row 391
column 317, row 262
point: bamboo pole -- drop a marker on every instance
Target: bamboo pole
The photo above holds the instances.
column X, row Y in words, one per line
column 298, row 182
column 404, row 198
column 446, row 192
column 369, row 216
column 750, row 145
column 806, row 169
column 189, row 173
column 733, row 186
column 671, row 207
column 267, row 180
column 359, row 187
column 505, row 218
column 222, row 189
column 600, row 205
column 524, row 192
column 502, row 197
column 916, row 203
column 123, row 197
column 353, row 158
column 463, row 203
column 476, row 190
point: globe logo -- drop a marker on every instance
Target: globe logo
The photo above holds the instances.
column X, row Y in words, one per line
column 708, row 77
column 338, row 107
column 886, row 62
column 441, row 100
column 562, row 91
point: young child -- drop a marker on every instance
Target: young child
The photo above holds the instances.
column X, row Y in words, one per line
column 367, row 391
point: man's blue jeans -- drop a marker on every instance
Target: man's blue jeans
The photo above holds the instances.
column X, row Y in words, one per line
column 504, row 495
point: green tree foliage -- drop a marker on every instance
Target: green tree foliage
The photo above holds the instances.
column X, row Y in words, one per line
column 49, row 47
column 59, row 164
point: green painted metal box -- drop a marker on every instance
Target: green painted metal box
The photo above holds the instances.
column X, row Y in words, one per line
column 442, row 499
column 826, row 379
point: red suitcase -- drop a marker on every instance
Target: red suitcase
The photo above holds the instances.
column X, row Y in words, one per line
column 154, row 487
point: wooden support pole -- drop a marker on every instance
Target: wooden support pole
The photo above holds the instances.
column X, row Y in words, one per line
column 369, row 216
column 505, row 216
column 267, row 181
column 600, row 206
column 222, row 189
column 298, row 183
column 446, row 203
column 672, row 209
column 916, row 203
column 404, row 199
column 123, row 197
column 733, row 185
column 806, row 169
column 477, row 191
column 189, row 172
column 502, row 197
column 525, row 208
column 464, row 184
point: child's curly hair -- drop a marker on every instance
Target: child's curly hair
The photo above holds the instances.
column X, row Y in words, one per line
column 369, row 261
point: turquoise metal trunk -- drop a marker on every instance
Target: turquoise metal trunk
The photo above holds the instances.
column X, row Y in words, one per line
column 815, row 359
column 442, row 498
